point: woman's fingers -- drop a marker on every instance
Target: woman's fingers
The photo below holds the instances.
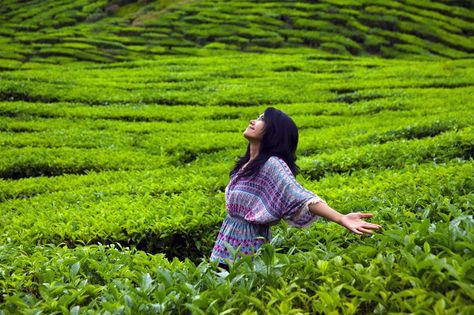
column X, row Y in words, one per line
column 367, row 228
column 365, row 215
column 355, row 223
column 367, row 224
column 355, row 231
column 371, row 226
column 364, row 230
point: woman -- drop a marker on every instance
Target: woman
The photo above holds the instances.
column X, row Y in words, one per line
column 262, row 190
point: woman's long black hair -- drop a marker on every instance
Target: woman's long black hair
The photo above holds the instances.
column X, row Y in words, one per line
column 280, row 139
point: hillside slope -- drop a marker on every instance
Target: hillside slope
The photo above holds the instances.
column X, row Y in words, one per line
column 105, row 31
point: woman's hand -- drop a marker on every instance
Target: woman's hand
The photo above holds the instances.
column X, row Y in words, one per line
column 354, row 222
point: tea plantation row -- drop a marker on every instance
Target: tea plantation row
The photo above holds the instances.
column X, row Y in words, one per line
column 422, row 262
column 38, row 32
column 113, row 179
column 239, row 80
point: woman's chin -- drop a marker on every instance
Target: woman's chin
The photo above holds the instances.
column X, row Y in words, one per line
column 248, row 136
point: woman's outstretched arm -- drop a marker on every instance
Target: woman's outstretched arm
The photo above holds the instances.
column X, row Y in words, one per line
column 352, row 221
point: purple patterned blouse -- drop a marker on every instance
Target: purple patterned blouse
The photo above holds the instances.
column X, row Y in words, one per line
column 254, row 204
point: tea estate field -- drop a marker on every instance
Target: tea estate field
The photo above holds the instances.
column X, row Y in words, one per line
column 113, row 177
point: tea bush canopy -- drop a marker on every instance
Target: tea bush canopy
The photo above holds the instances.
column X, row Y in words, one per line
column 120, row 121
column 60, row 32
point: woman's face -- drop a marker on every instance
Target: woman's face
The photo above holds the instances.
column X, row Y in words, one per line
column 255, row 129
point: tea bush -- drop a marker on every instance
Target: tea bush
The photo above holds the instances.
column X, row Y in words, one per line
column 120, row 122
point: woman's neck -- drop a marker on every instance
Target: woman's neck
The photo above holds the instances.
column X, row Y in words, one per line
column 254, row 150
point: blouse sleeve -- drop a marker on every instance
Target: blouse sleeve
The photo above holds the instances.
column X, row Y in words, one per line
column 290, row 200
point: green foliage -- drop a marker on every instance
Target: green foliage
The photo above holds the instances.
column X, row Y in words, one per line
column 396, row 154
column 431, row 29
column 112, row 174
column 391, row 272
column 92, row 188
